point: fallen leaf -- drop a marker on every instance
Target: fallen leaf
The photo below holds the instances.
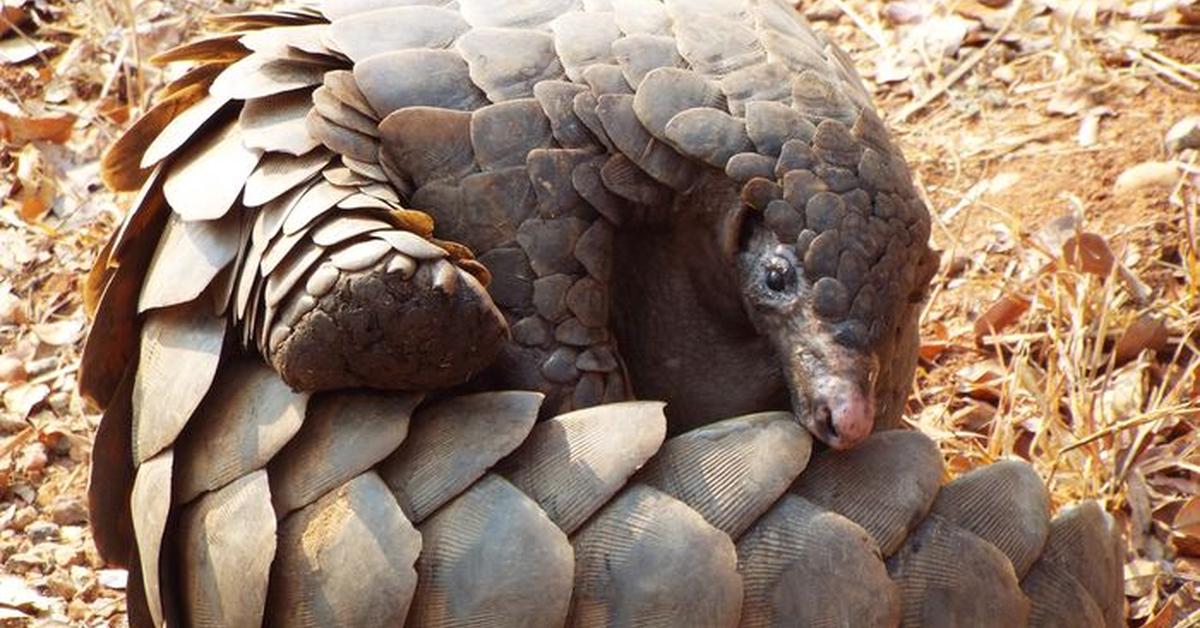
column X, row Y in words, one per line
column 1089, row 253
column 1089, row 128
column 1185, row 530
column 115, row 111
column 1000, row 315
column 59, row 333
column 21, row 399
column 13, row 310
column 981, row 381
column 1124, row 395
column 18, row 49
column 1140, row 574
column 1189, row 14
column 12, row 370
column 11, row 16
column 1147, row 332
column 1182, row 604
column 38, row 189
column 14, row 593
column 24, row 129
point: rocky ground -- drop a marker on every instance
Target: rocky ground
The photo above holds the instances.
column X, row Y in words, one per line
column 1053, row 139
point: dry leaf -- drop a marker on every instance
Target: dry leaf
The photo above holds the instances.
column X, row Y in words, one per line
column 1124, row 395
column 18, row 49
column 1185, row 530
column 981, row 381
column 1151, row 9
column 115, row 111
column 38, row 189
column 60, row 333
column 1089, row 253
column 1000, row 315
column 24, row 129
column 1189, row 14
column 1147, row 332
column 20, row 400
column 12, row 370
column 1140, row 574
column 1182, row 605
column 13, row 310
column 14, row 593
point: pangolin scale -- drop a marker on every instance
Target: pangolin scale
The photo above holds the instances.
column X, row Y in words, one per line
column 369, row 338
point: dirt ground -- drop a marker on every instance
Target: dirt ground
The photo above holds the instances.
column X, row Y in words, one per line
column 1061, row 328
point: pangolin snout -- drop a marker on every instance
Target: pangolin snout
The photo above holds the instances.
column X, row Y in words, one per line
column 842, row 414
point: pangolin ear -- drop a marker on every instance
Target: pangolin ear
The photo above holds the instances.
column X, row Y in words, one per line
column 735, row 228
column 738, row 222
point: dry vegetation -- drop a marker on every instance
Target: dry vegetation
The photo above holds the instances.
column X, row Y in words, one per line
column 1062, row 327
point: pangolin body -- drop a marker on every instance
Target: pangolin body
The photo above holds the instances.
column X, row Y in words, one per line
column 450, row 199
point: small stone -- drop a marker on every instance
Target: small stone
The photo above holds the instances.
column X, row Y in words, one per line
column 23, row 562
column 60, row 584
column 78, row 610
column 113, row 578
column 23, row 518
column 59, row 402
column 65, row 556
column 11, row 424
column 1184, row 135
column 41, row 531
column 1158, row 175
column 12, row 370
column 68, row 511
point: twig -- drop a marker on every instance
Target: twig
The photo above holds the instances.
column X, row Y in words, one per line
column 861, row 23
column 961, row 71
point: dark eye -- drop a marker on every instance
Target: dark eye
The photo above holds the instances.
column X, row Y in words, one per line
column 780, row 274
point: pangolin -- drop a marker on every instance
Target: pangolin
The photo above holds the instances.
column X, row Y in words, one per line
column 377, row 240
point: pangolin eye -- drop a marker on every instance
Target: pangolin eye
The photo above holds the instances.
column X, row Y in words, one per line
column 780, row 274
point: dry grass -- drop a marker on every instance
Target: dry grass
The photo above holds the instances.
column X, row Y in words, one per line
column 1010, row 117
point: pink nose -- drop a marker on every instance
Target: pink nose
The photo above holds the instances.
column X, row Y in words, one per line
column 844, row 415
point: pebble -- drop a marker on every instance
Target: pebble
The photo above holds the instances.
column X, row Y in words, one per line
column 23, row 518
column 68, row 511
column 1161, row 175
column 1184, row 135
column 41, row 531
column 113, row 578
